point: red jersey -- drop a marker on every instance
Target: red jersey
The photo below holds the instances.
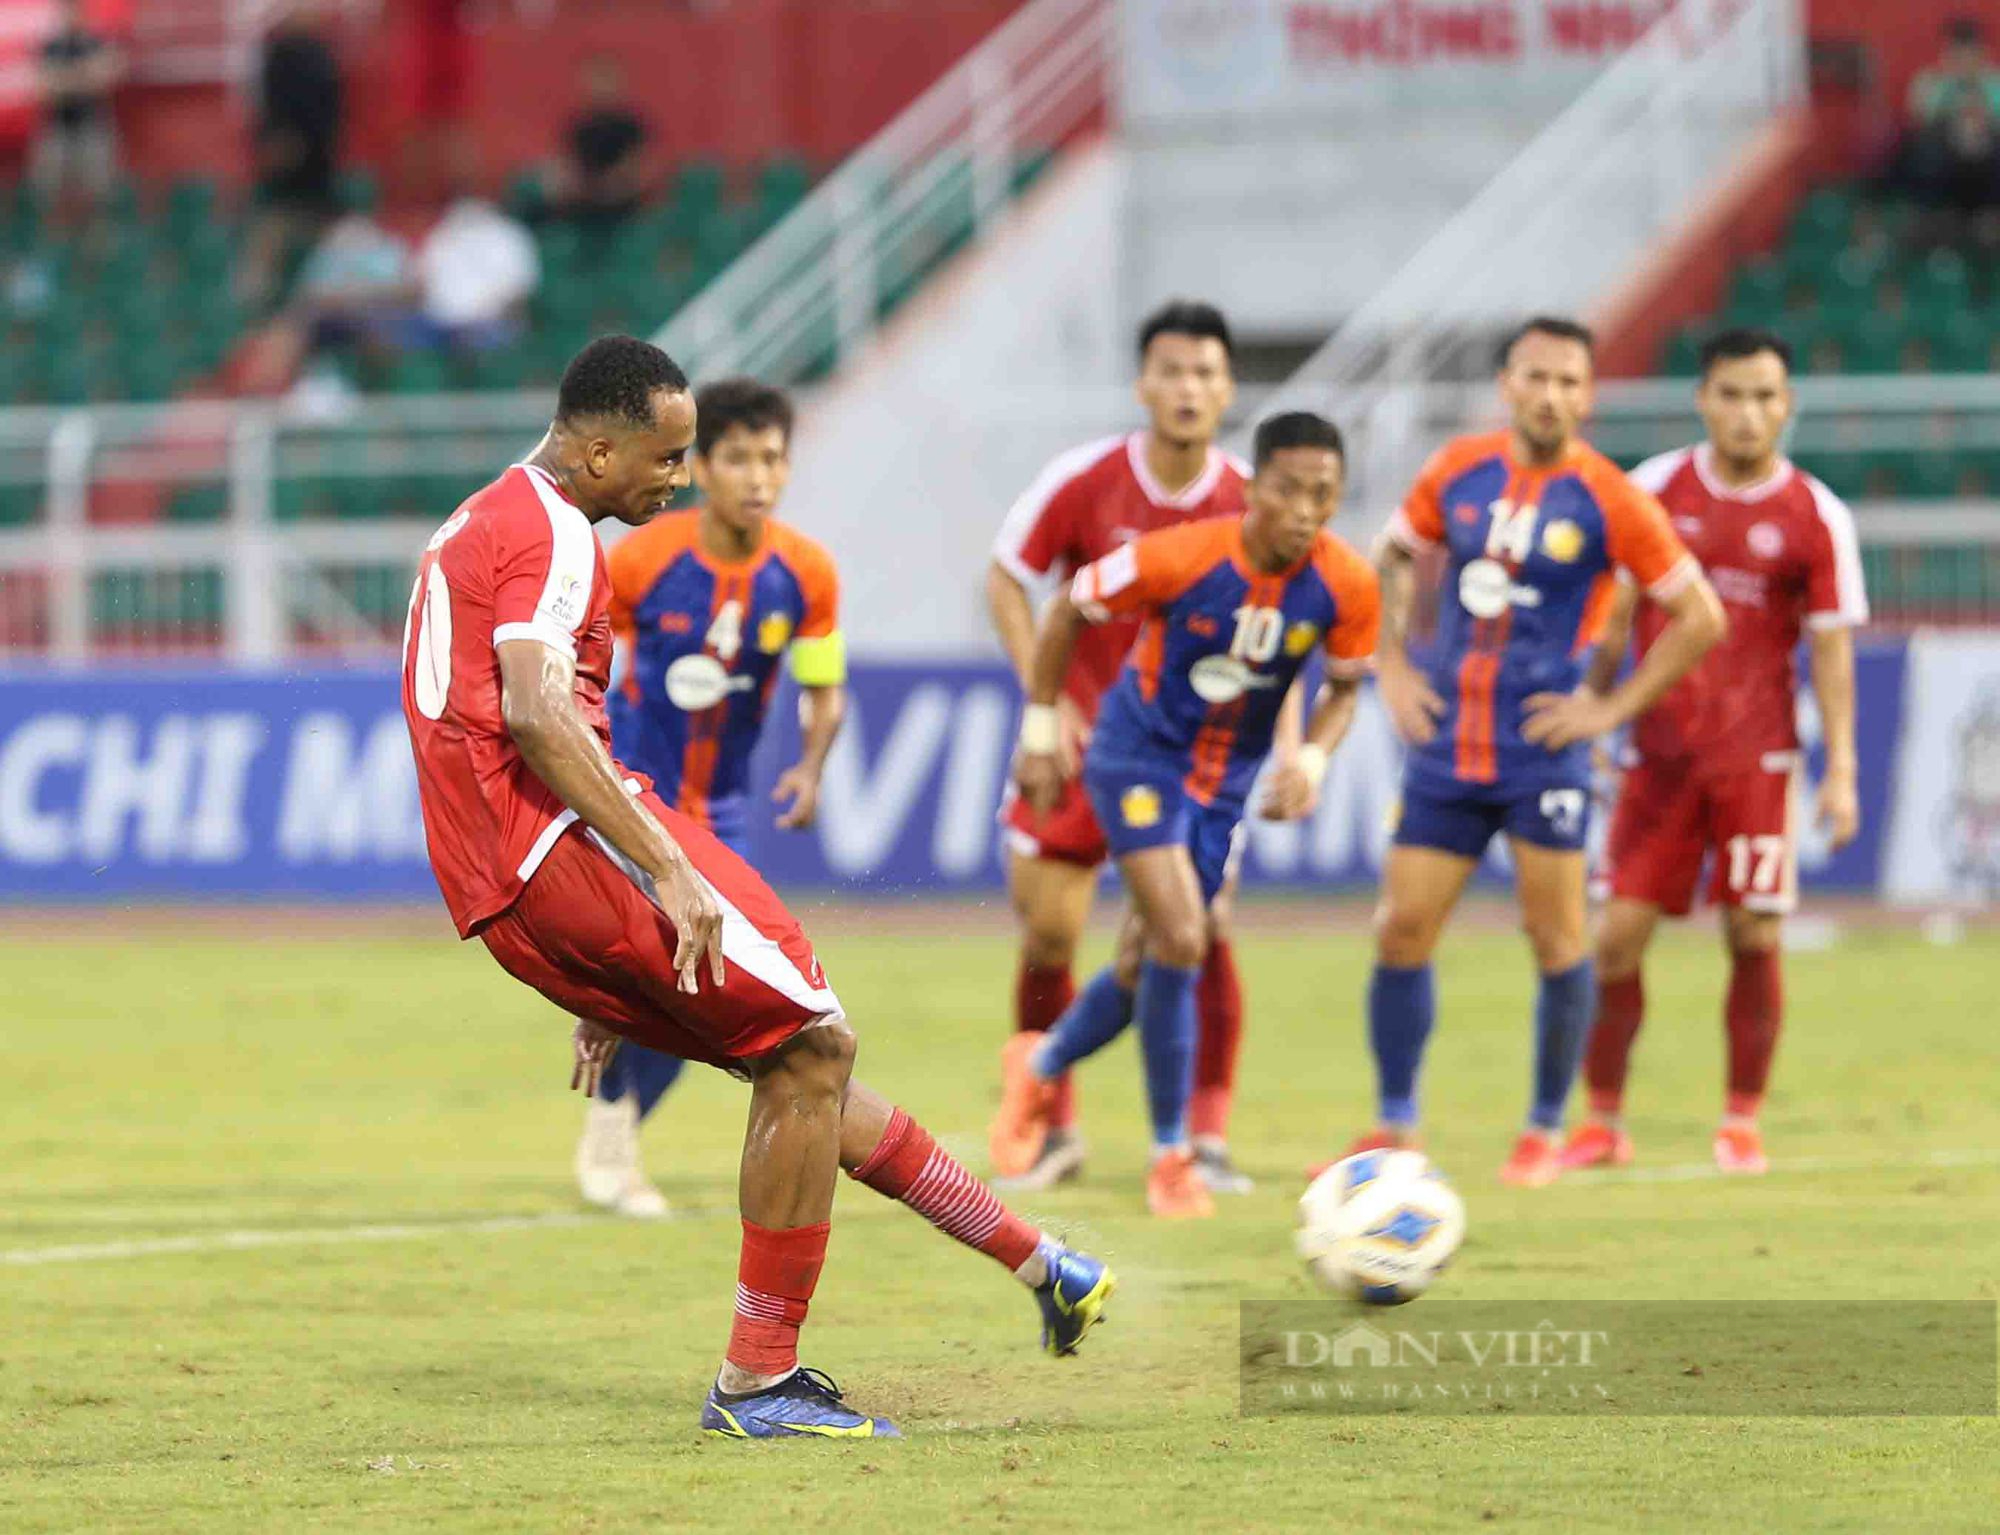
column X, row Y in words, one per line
column 519, row 560
column 1088, row 502
column 1781, row 555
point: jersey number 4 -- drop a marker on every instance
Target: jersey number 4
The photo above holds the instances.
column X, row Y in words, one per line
column 725, row 634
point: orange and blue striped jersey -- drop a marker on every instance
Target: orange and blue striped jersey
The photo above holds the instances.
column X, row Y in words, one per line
column 703, row 639
column 1219, row 644
column 1531, row 553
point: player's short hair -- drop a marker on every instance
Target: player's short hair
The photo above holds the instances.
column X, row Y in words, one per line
column 1186, row 317
column 746, row 402
column 1559, row 326
column 1962, row 30
column 615, row 379
column 1294, row 429
column 1742, row 341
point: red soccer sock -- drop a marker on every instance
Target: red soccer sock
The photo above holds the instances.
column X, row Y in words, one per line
column 1752, row 1014
column 775, row 1277
column 1621, row 1008
column 1041, row 996
column 1219, row 1005
column 907, row 1165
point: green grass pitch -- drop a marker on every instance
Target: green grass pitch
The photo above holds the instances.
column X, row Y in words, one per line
column 287, row 1241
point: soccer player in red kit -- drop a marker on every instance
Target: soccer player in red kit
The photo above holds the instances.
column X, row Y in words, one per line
column 585, row 885
column 1086, row 504
column 1714, row 767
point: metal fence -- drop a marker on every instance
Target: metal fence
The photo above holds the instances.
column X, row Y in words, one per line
column 264, row 534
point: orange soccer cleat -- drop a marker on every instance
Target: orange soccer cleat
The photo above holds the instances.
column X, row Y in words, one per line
column 1740, row 1149
column 1381, row 1138
column 1596, row 1144
column 1535, row 1161
column 1174, row 1190
column 1027, row 1109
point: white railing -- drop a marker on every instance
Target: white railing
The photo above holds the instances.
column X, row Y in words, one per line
column 1620, row 165
column 307, row 513
column 814, row 288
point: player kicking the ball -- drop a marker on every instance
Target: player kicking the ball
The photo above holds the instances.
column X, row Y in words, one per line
column 707, row 603
column 585, row 885
column 1532, row 524
column 1714, row 764
column 1229, row 610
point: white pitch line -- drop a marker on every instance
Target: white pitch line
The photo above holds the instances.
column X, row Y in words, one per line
column 1695, row 1172
column 400, row 1231
column 243, row 1241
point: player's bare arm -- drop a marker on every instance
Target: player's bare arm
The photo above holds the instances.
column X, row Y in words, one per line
column 1292, row 792
column 1413, row 704
column 1013, row 616
column 1695, row 623
column 1838, row 804
column 1041, row 765
column 821, row 711
column 538, row 705
column 1602, row 673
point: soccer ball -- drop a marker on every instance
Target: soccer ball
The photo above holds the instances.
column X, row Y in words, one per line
column 1380, row 1226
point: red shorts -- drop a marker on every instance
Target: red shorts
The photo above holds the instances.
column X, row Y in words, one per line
column 587, row 936
column 1669, row 818
column 1068, row 833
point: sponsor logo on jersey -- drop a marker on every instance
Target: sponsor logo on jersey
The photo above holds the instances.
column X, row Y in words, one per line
column 1203, row 625
column 1466, row 512
column 1140, row 806
column 1766, row 540
column 774, row 633
column 1562, row 541
column 699, row 682
column 1299, row 638
column 677, row 623
column 1486, row 589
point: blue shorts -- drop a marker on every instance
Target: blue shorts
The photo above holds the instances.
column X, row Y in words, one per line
column 1464, row 818
column 1142, row 805
column 729, row 819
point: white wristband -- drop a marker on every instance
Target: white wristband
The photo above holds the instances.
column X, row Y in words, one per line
column 1311, row 761
column 1041, row 730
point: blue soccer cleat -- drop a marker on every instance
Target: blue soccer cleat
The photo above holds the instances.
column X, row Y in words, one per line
column 804, row 1405
column 1072, row 1298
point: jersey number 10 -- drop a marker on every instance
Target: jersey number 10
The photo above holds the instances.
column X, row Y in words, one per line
column 1257, row 633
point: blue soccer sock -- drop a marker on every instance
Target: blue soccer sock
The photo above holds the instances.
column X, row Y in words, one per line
column 1165, row 1007
column 1097, row 1016
column 1402, row 1006
column 1564, row 1007
column 636, row 1072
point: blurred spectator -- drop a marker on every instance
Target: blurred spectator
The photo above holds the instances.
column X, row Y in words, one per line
column 604, row 174
column 358, row 282
column 477, row 270
column 296, row 141
column 1954, row 111
column 75, row 154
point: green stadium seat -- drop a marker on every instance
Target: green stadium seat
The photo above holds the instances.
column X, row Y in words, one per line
column 782, row 184
column 697, row 194
column 1759, row 291
column 20, row 505
column 1939, row 290
column 1825, row 221
column 1682, row 357
column 203, row 502
column 1932, row 476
